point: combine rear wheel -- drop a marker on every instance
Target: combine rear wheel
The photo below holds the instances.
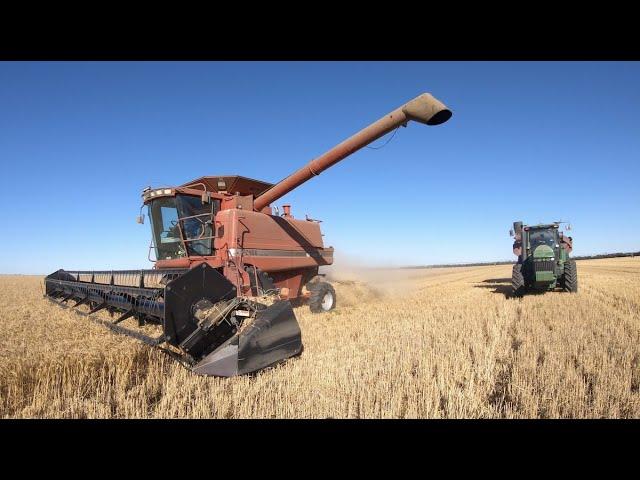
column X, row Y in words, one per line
column 323, row 297
column 570, row 283
column 517, row 281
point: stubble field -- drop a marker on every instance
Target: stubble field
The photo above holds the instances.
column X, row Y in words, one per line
column 432, row 343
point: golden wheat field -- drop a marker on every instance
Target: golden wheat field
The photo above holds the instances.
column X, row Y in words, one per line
column 430, row 343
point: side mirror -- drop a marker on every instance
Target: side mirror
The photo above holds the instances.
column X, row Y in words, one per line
column 205, row 197
column 140, row 219
column 517, row 230
column 511, row 232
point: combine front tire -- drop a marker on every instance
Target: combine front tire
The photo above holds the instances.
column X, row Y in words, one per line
column 570, row 283
column 517, row 281
column 323, row 297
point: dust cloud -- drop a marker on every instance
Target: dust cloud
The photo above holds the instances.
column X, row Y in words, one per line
column 361, row 280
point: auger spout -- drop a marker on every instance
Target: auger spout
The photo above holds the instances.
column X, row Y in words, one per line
column 423, row 109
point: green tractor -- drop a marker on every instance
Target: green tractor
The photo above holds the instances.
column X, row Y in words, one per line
column 543, row 259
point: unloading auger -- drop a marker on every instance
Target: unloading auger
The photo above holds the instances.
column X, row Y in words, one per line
column 228, row 266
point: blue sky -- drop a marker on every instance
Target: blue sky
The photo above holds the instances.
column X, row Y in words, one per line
column 532, row 141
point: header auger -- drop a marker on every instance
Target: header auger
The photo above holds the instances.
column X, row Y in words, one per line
column 227, row 268
column 543, row 259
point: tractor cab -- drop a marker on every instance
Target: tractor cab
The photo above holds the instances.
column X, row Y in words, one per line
column 536, row 240
column 542, row 241
column 543, row 236
column 181, row 223
column 182, row 218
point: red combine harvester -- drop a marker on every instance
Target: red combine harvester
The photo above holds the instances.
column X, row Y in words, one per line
column 227, row 266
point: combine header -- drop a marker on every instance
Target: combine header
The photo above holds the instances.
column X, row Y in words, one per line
column 543, row 259
column 228, row 264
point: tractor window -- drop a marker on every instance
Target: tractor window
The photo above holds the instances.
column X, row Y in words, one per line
column 164, row 225
column 542, row 237
column 196, row 221
column 183, row 215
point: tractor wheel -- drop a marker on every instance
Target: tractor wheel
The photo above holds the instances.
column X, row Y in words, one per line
column 517, row 281
column 570, row 283
column 323, row 297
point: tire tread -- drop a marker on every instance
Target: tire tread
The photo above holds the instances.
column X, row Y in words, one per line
column 570, row 283
column 517, row 281
column 318, row 290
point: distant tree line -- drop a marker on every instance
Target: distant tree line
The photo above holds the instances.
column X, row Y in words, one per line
column 608, row 255
column 509, row 262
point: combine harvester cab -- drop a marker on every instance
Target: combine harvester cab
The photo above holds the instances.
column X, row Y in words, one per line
column 543, row 259
column 228, row 265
